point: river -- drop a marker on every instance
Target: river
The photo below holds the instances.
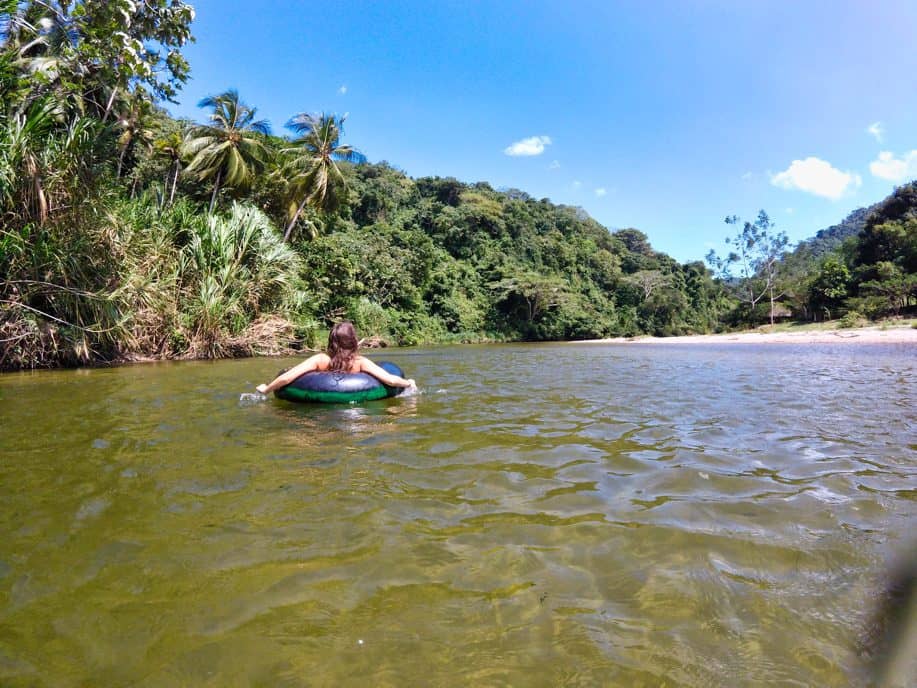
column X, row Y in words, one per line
column 540, row 515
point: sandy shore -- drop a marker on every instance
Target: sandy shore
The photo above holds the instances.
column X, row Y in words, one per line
column 862, row 335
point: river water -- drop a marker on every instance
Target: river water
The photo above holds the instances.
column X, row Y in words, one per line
column 544, row 515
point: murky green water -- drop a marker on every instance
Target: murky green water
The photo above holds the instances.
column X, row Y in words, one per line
column 570, row 515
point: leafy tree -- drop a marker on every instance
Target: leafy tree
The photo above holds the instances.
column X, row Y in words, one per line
column 447, row 191
column 96, row 51
column 893, row 284
column 534, row 294
column 228, row 150
column 635, row 241
column 757, row 250
column 312, row 170
column 828, row 287
column 649, row 281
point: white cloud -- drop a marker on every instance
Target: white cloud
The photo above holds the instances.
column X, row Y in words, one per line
column 343, row 89
column 601, row 191
column 876, row 130
column 887, row 166
column 747, row 176
column 534, row 145
column 577, row 183
column 790, row 211
column 816, row 176
column 555, row 164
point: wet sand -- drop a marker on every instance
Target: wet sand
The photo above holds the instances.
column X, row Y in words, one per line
column 861, row 335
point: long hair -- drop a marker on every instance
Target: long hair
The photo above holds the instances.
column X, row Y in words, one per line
column 343, row 346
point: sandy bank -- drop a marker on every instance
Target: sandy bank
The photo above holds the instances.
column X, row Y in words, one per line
column 862, row 335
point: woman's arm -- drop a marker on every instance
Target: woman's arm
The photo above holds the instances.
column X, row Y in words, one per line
column 382, row 374
column 282, row 380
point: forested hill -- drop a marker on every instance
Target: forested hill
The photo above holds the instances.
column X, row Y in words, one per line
column 435, row 257
column 830, row 238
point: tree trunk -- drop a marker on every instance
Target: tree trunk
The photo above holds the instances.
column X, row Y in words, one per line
column 165, row 188
column 111, row 101
column 772, row 307
column 286, row 235
column 216, row 188
column 174, row 182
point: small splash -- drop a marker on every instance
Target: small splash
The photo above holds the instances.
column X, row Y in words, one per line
column 251, row 398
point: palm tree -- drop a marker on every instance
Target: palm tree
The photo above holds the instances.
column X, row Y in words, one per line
column 133, row 123
column 169, row 146
column 226, row 151
column 314, row 177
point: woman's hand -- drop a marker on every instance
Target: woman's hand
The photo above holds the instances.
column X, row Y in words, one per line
column 262, row 389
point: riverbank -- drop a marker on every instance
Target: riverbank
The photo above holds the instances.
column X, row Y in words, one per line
column 859, row 335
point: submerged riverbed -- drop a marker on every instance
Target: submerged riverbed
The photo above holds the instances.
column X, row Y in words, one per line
column 545, row 515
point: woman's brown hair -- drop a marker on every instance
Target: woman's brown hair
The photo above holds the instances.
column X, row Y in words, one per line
column 343, row 346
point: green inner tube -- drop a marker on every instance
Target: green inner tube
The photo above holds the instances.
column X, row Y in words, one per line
column 340, row 388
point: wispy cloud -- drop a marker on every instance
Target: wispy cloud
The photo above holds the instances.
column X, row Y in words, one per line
column 816, row 176
column 343, row 89
column 534, row 145
column 747, row 176
column 576, row 184
column 887, row 166
column 877, row 130
column 555, row 164
column 601, row 191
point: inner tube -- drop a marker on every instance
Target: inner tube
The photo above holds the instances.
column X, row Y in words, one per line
column 340, row 388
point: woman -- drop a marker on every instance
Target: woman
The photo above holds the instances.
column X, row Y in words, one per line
column 343, row 356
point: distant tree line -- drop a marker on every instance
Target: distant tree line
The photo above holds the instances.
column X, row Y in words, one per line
column 125, row 233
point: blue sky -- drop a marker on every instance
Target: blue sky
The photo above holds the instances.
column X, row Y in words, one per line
column 664, row 116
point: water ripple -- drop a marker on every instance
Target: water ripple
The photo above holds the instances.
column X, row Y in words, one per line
column 544, row 515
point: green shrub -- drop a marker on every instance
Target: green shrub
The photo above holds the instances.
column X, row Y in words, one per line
column 370, row 319
column 852, row 319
